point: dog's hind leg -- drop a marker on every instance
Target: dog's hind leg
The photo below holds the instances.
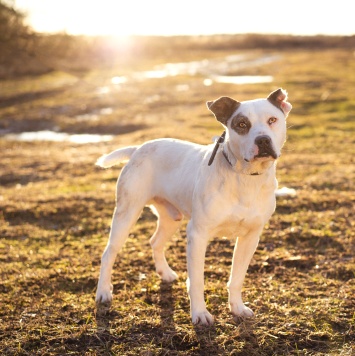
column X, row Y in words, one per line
column 130, row 202
column 169, row 220
column 122, row 221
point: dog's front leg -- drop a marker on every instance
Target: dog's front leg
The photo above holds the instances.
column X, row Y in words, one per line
column 243, row 252
column 197, row 240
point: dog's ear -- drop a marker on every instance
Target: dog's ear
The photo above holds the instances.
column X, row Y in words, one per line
column 223, row 108
column 279, row 99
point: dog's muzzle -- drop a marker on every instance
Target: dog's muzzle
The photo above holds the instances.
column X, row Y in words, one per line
column 265, row 147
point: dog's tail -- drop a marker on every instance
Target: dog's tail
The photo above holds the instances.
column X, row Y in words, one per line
column 116, row 157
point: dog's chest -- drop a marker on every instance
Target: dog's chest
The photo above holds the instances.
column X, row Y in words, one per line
column 240, row 222
column 243, row 215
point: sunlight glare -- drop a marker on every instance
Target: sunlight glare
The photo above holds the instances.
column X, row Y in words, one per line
column 186, row 17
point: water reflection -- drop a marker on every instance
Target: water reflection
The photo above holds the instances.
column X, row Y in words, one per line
column 214, row 70
column 118, row 80
column 220, row 70
column 242, row 79
column 94, row 115
column 103, row 90
column 174, row 69
column 47, row 135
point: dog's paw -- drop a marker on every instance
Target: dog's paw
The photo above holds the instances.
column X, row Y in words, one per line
column 168, row 276
column 104, row 295
column 103, row 301
column 202, row 318
column 241, row 311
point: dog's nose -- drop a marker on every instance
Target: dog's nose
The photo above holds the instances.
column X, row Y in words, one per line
column 263, row 141
column 265, row 147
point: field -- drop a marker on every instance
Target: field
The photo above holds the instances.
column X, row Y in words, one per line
column 56, row 208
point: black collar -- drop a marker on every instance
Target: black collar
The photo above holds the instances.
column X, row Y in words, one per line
column 214, row 152
column 218, row 142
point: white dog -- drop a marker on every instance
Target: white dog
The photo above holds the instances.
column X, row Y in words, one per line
column 224, row 190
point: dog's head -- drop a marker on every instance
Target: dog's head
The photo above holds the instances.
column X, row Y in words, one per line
column 256, row 129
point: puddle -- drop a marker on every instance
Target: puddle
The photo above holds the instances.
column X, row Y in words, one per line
column 53, row 136
column 174, row 69
column 182, row 87
column 214, row 70
column 106, row 111
column 242, row 79
column 207, row 82
column 95, row 115
column 87, row 117
column 118, row 80
column 219, row 70
column 103, row 90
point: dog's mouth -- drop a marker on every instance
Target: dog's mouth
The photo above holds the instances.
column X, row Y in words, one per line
column 263, row 156
column 267, row 154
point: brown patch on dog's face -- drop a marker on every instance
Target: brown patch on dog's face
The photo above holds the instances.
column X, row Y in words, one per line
column 241, row 124
column 223, row 108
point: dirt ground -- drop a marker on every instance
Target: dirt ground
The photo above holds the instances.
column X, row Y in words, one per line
column 56, row 208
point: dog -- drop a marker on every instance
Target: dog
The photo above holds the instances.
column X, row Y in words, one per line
column 226, row 189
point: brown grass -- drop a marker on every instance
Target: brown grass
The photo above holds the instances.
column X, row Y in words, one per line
column 56, row 206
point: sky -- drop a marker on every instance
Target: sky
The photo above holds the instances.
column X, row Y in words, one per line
column 190, row 17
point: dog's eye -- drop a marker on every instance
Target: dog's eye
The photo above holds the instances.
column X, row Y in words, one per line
column 272, row 120
column 242, row 125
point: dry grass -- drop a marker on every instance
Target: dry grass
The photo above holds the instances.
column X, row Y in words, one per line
column 56, row 206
